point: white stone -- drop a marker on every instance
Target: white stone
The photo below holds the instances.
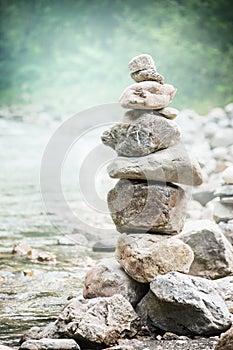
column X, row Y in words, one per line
column 227, row 175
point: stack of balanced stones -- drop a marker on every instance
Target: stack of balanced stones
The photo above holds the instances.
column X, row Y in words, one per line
column 151, row 157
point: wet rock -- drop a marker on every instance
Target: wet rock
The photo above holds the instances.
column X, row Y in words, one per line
column 170, row 165
column 223, row 212
column 169, row 112
column 145, row 256
column 227, row 175
column 99, row 321
column 147, row 95
column 225, row 288
column 138, row 207
column 145, row 135
column 141, row 62
column 50, row 344
column 146, row 75
column 227, row 229
column 108, row 278
column 185, row 305
column 226, row 341
column 213, row 253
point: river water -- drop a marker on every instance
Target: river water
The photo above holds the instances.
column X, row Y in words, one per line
column 33, row 293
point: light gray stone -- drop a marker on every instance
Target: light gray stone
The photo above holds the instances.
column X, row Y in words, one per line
column 50, row 344
column 147, row 75
column 147, row 95
column 227, row 175
column 108, row 278
column 222, row 138
column 223, row 212
column 226, row 341
column 227, row 229
column 169, row 112
column 213, row 253
column 224, row 191
column 141, row 62
column 227, row 200
column 145, row 135
column 145, row 256
column 138, row 207
column 98, row 321
column 185, row 305
column 170, row 165
column 225, row 287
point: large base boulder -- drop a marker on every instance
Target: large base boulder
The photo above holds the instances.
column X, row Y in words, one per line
column 145, row 256
column 185, row 305
column 138, row 206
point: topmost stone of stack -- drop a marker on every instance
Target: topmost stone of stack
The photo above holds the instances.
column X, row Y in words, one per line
column 141, row 62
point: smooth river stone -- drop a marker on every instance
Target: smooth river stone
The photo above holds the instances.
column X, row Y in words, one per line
column 184, row 305
column 144, row 256
column 145, row 135
column 147, row 75
column 169, row 165
column 227, row 175
column 141, row 62
column 136, row 206
column 147, row 95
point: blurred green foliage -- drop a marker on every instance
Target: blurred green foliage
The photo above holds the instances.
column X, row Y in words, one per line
column 73, row 54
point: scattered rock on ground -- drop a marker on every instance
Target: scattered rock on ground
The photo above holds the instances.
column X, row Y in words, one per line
column 185, row 305
column 207, row 241
column 50, row 344
column 108, row 278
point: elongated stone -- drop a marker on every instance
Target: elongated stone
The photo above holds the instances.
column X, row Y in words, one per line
column 136, row 206
column 147, row 134
column 147, row 95
column 169, row 165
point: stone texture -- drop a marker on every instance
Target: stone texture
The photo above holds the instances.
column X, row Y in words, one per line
column 141, row 62
column 169, row 165
column 136, row 206
column 145, row 256
column 226, row 341
column 225, row 288
column 50, row 344
column 99, row 321
column 223, row 212
column 147, row 95
column 227, row 229
column 169, row 112
column 222, row 138
column 185, row 305
column 147, row 75
column 145, row 135
column 227, row 175
column 213, row 253
column 108, row 278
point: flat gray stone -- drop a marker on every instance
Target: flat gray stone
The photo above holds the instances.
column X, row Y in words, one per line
column 145, row 135
column 213, row 253
column 141, row 62
column 138, row 207
column 224, row 191
column 50, row 344
column 145, row 256
column 147, row 95
column 170, row 165
column 223, row 212
column 147, row 75
column 184, row 305
column 108, row 278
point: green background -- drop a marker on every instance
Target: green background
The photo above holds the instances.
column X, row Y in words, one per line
column 71, row 54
